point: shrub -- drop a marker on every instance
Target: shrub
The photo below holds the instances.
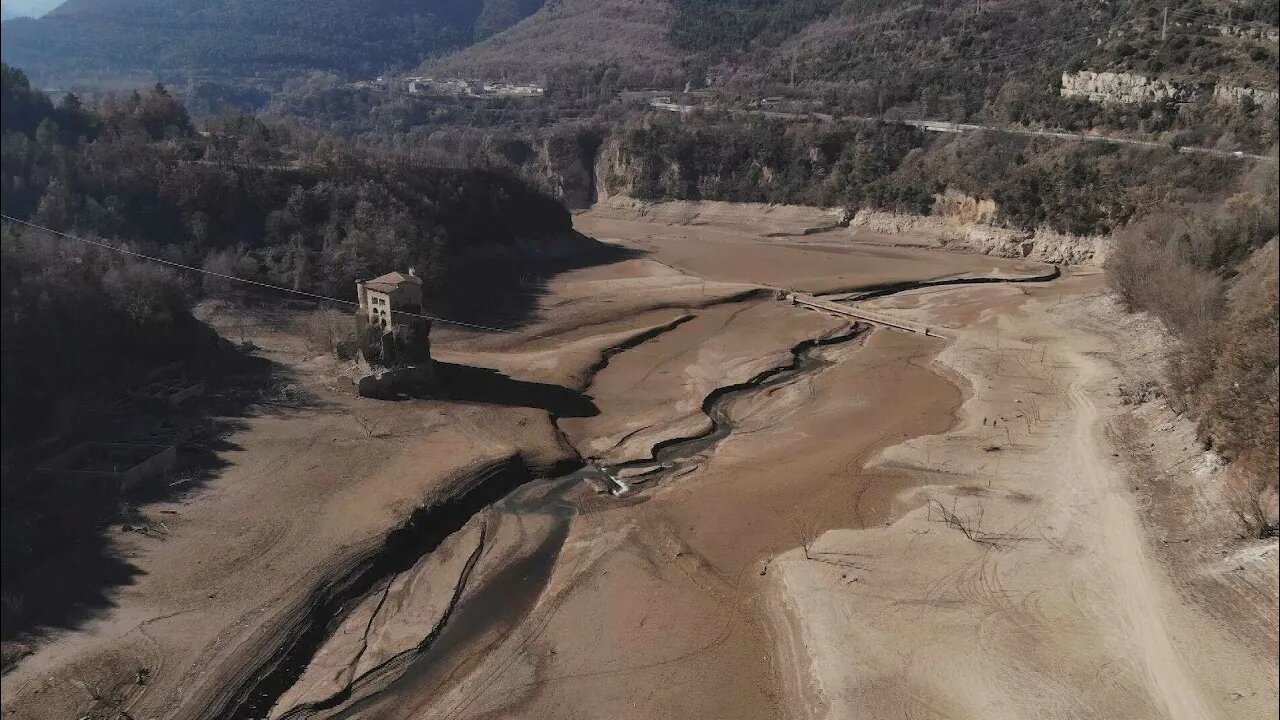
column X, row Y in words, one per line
column 1212, row 279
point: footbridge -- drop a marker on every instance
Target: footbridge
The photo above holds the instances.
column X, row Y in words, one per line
column 857, row 313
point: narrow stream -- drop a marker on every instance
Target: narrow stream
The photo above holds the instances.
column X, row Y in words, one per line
column 510, row 595
column 501, row 604
column 877, row 291
column 678, row 455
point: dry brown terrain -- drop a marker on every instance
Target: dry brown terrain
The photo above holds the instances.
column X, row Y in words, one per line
column 1017, row 578
column 570, row 32
column 907, row 526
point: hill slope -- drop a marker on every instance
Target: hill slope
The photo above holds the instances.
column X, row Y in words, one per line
column 238, row 38
column 633, row 33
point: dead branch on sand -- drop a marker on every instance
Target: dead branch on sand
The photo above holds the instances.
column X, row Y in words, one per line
column 970, row 527
column 806, row 533
column 371, row 426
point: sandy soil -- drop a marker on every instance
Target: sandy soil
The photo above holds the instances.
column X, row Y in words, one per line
column 656, row 391
column 744, row 251
column 310, row 492
column 1016, row 578
column 305, row 491
column 913, row 527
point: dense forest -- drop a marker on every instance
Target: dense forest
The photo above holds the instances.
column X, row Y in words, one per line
column 767, row 161
column 284, row 205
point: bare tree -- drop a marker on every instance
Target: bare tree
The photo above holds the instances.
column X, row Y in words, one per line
column 806, row 533
column 971, row 527
column 370, row 425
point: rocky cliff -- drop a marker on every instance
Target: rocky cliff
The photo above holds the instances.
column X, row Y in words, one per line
column 1042, row 244
column 1233, row 95
column 1122, row 88
column 648, row 176
column 567, row 167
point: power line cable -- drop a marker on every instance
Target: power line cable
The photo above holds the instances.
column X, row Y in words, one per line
column 270, row 286
column 281, row 288
column 246, row 281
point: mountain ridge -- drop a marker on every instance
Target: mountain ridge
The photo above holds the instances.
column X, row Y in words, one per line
column 177, row 39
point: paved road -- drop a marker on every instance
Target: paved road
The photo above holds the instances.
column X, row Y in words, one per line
column 944, row 126
column 950, row 127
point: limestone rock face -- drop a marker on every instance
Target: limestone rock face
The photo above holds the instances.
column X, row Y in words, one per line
column 1253, row 32
column 1233, row 95
column 567, row 170
column 1122, row 88
column 962, row 235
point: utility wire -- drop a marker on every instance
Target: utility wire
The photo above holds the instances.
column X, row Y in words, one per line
column 270, row 286
column 246, row 281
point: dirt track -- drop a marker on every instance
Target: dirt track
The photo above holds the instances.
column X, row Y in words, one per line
column 1016, row 580
column 975, row 545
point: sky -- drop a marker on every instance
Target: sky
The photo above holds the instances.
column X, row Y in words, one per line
column 33, row 8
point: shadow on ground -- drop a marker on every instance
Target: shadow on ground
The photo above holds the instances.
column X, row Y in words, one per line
column 502, row 289
column 468, row 383
column 62, row 566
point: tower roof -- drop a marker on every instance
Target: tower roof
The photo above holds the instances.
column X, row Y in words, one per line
column 391, row 281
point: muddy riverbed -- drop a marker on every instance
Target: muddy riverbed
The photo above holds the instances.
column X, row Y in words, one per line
column 508, row 595
column 607, row 522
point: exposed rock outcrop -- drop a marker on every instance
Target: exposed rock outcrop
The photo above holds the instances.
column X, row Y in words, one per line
column 951, row 233
column 567, row 167
column 1233, row 95
column 1252, row 32
column 619, row 172
column 1123, row 88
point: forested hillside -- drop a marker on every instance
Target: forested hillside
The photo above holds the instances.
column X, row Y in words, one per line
column 84, row 326
column 1194, row 40
column 134, row 171
column 953, row 59
column 632, row 36
column 1211, row 276
column 107, row 40
column 950, row 59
